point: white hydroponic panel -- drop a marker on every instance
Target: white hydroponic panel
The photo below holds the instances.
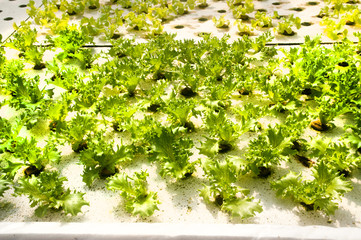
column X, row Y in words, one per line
column 12, row 11
column 141, row 231
column 181, row 202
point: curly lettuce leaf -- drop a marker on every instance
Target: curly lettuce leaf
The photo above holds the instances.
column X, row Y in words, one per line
column 243, row 208
column 138, row 200
column 46, row 191
column 322, row 192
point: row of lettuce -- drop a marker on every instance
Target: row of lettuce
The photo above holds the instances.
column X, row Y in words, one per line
column 148, row 17
column 185, row 106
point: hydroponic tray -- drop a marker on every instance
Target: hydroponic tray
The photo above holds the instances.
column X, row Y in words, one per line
column 180, row 200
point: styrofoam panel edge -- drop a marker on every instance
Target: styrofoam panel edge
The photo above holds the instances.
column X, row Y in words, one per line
column 163, row 231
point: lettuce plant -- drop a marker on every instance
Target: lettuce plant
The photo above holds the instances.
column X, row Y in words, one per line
column 119, row 110
column 70, row 40
column 223, row 191
column 24, row 38
column 267, row 151
column 4, row 185
column 240, row 9
column 138, row 199
column 221, row 22
column 172, row 151
column 180, row 111
column 28, row 154
column 222, row 129
column 285, row 26
column 72, row 8
column 262, row 20
column 336, row 155
column 46, row 191
column 101, row 160
column 9, row 132
column 328, row 111
column 320, row 193
column 78, row 130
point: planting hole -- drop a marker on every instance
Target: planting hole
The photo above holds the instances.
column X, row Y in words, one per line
column 179, row 27
column 313, row 3
column 306, row 24
column 203, row 19
column 343, row 64
column 276, row 3
column 203, row 34
column 297, row 9
column 261, row 10
column 23, row 6
column 222, row 11
column 8, row 19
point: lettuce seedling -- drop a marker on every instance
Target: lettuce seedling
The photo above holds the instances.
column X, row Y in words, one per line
column 42, row 15
column 223, row 129
column 267, row 151
column 27, row 96
column 240, row 9
column 86, row 58
column 70, row 40
column 119, row 109
column 181, row 8
column 248, row 116
column 91, row 26
column 138, row 200
column 137, row 22
column 9, row 132
column 154, row 99
column 262, row 20
column 88, row 92
column 221, row 22
column 160, row 56
column 26, row 153
column 243, row 28
column 172, row 150
column 101, row 160
column 180, row 112
column 4, row 185
column 162, row 13
column 46, row 191
column 68, row 78
column 223, row 191
column 120, row 72
column 23, row 38
column 220, row 93
column 192, row 82
column 78, row 130
column 337, row 155
column 72, row 8
column 328, row 110
column 334, row 30
column 58, row 111
column 109, row 21
column 285, row 26
column 319, row 193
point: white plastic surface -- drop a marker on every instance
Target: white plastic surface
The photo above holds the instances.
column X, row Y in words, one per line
column 12, row 11
column 143, row 231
